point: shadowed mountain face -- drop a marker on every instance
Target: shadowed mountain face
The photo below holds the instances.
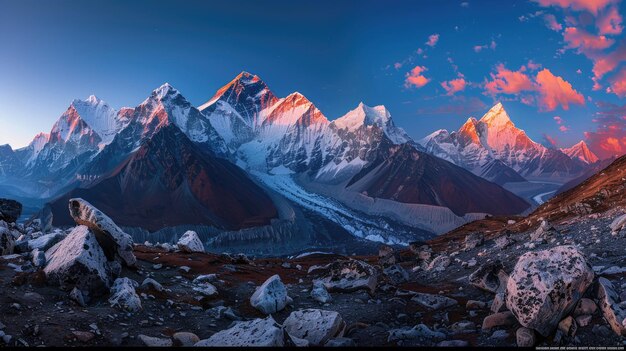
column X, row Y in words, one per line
column 406, row 175
column 168, row 181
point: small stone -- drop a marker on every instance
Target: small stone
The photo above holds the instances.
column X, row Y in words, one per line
column 185, row 339
column 499, row 319
column 83, row 336
column 155, row 342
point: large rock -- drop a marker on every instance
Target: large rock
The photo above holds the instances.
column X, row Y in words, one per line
column 190, row 242
column 490, row 277
column 546, row 285
column 433, row 302
column 316, row 326
column 46, row 241
column 78, row 261
column 610, row 307
column 473, row 240
column 259, row 332
column 387, row 256
column 348, row 276
column 10, row 210
column 112, row 239
column 320, row 294
column 7, row 241
column 124, row 296
column 618, row 224
column 271, row 296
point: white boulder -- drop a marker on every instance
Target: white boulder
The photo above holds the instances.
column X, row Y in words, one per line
column 546, row 285
column 316, row 326
column 271, row 296
column 124, row 296
column 190, row 242
column 112, row 239
column 348, row 276
column 259, row 332
column 78, row 261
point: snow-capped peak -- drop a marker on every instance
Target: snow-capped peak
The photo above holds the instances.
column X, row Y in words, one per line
column 165, row 90
column 496, row 116
column 98, row 115
column 581, row 151
column 364, row 115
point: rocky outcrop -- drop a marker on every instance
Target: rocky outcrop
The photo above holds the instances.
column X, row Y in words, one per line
column 123, row 295
column 348, row 275
column 10, row 210
column 315, row 326
column 610, row 306
column 7, row 241
column 78, row 261
column 258, row 332
column 112, row 239
column 271, row 296
column 490, row 277
column 190, row 242
column 546, row 285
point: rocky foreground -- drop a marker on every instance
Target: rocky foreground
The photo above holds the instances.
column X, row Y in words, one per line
column 91, row 285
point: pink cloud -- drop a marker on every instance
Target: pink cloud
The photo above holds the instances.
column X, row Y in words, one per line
column 550, row 140
column 555, row 91
column 606, row 63
column 592, row 6
column 414, row 78
column 563, row 129
column 579, row 71
column 505, row 81
column 609, row 139
column 577, row 38
column 397, row 65
column 618, row 83
column 453, row 86
column 610, row 22
column 558, row 120
column 432, row 40
column 492, row 46
column 533, row 66
column 552, row 23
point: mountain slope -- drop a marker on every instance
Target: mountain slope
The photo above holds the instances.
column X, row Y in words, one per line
column 581, row 151
column 168, row 181
column 404, row 174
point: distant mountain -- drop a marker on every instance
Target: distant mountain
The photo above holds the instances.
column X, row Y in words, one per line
column 494, row 137
column 581, row 152
column 166, row 163
column 169, row 181
column 593, row 169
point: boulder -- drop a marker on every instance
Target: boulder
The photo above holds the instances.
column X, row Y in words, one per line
column 112, row 239
column 420, row 331
column 490, row 277
column 206, row 289
column 124, row 296
column 185, row 339
column 77, row 296
column 348, row 276
column 258, row 332
column 396, row 274
column 585, row 307
column 78, row 261
column 315, row 326
column 190, row 242
column 499, row 319
column 7, row 241
column 38, row 258
column 10, row 210
column 433, row 302
column 545, row 286
column 387, row 256
column 150, row 283
column 46, row 241
column 151, row 341
column 319, row 293
column 541, row 233
column 271, row 296
column 609, row 305
column 503, row 241
column 618, row 224
column 473, row 240
column 525, row 337
column 440, row 263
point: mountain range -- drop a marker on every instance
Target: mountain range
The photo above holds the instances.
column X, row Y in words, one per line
column 249, row 159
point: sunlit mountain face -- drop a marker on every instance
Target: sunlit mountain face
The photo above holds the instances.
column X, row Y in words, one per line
column 294, row 174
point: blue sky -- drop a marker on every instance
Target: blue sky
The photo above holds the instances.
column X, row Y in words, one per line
column 337, row 53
